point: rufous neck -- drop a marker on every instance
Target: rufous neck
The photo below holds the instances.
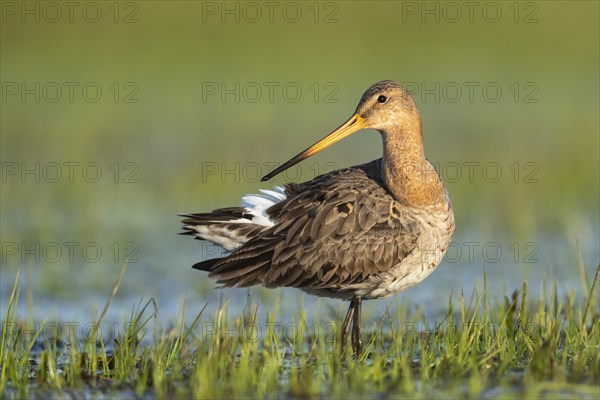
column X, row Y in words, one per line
column 407, row 174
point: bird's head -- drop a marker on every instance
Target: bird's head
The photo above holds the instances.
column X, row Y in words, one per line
column 386, row 106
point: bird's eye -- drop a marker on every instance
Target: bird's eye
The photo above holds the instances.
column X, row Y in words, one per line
column 382, row 99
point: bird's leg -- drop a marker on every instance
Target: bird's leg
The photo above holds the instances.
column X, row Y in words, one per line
column 346, row 325
column 356, row 340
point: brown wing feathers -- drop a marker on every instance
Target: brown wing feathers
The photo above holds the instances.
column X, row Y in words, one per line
column 329, row 232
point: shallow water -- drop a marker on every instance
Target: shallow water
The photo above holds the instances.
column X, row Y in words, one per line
column 65, row 292
column 64, row 309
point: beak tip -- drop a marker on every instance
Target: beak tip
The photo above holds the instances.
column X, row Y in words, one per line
column 353, row 124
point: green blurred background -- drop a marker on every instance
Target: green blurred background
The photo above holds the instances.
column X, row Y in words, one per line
column 165, row 143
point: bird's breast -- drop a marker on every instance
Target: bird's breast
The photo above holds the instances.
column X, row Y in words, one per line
column 436, row 227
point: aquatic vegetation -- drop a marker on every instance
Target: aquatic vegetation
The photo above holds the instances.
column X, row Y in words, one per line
column 544, row 347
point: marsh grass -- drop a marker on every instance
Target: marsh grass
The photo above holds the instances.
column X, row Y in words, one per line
column 544, row 347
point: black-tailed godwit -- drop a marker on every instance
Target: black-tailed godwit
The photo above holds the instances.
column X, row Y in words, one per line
column 358, row 233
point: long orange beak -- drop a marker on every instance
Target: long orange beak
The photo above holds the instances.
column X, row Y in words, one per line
column 354, row 123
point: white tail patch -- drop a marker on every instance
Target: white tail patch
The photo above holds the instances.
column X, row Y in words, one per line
column 226, row 233
column 257, row 204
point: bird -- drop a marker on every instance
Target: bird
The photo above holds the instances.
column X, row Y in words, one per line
column 358, row 233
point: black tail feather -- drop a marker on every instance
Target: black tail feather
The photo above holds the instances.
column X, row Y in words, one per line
column 207, row 265
column 218, row 215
